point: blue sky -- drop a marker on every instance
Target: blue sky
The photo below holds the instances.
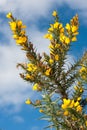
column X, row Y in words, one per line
column 36, row 14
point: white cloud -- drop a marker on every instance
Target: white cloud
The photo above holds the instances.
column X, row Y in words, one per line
column 34, row 9
column 27, row 9
column 82, row 5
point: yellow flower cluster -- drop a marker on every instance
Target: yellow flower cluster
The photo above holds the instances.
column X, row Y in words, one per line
column 31, row 72
column 55, row 27
column 64, row 39
column 69, row 103
column 31, row 67
column 17, row 28
column 61, row 37
column 72, row 28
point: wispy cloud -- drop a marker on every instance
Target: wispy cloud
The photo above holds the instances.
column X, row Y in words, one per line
column 27, row 9
column 36, row 8
column 81, row 5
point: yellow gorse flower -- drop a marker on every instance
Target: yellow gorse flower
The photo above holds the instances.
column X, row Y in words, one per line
column 83, row 69
column 48, row 36
column 66, row 113
column 74, row 28
column 9, row 15
column 74, row 39
column 50, row 29
column 36, row 87
column 56, row 24
column 79, row 98
column 67, row 40
column 51, row 46
column 51, row 61
column 28, row 101
column 21, row 40
column 28, row 76
column 54, row 13
column 68, row 27
column 76, row 104
column 20, row 24
column 13, row 25
column 56, row 57
column 79, row 108
column 47, row 72
column 66, row 103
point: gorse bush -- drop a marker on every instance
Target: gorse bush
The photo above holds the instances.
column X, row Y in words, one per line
column 62, row 88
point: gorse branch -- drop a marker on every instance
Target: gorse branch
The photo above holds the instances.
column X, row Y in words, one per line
column 60, row 107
